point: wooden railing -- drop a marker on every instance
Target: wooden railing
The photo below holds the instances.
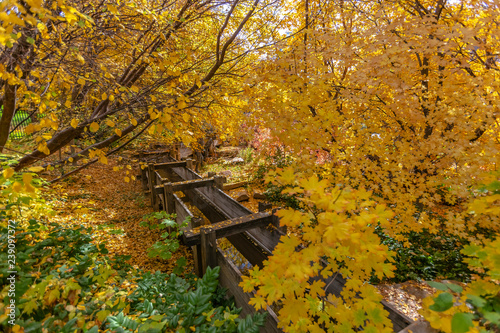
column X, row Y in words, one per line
column 254, row 235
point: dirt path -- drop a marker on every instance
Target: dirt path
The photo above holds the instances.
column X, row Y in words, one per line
column 100, row 197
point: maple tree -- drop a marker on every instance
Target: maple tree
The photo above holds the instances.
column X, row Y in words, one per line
column 99, row 71
column 390, row 111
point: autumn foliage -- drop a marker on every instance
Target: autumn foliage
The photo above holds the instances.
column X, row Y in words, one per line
column 388, row 108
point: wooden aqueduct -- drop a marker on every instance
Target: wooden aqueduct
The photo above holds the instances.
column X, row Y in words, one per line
column 253, row 234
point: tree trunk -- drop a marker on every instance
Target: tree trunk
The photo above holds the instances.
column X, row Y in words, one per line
column 9, row 107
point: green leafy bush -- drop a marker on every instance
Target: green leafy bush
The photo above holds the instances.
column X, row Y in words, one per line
column 170, row 237
column 65, row 283
column 429, row 257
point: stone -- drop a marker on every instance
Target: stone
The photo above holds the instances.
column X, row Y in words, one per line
column 241, row 196
column 237, row 160
column 259, row 196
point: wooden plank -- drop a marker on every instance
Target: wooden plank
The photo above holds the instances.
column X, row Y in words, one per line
column 230, row 277
column 198, row 267
column 168, row 176
column 208, row 249
column 247, row 245
column 263, row 206
column 168, row 195
column 144, row 179
column 232, row 186
column 335, row 284
column 192, row 184
column 157, row 180
column 184, row 185
column 151, row 184
column 399, row 320
column 267, row 237
column 229, row 227
column 181, row 211
column 219, row 182
column 419, row 327
column 167, row 165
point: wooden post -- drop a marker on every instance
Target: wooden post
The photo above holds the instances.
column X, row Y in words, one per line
column 143, row 179
column 219, row 182
column 178, row 151
column 169, row 198
column 156, row 182
column 198, row 265
column 189, row 163
column 208, row 248
column 151, row 184
column 263, row 206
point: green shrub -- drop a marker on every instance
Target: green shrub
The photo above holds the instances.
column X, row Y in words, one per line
column 65, row 283
column 429, row 257
column 246, row 154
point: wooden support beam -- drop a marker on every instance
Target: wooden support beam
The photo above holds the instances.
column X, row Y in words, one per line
column 168, row 194
column 151, row 184
column 219, row 182
column 157, row 180
column 232, row 186
column 177, row 151
column 191, row 184
column 186, row 185
column 189, row 163
column 198, row 267
column 144, row 179
column 229, row 227
column 182, row 212
column 204, row 199
column 230, row 278
column 170, row 165
column 208, row 249
column 263, row 206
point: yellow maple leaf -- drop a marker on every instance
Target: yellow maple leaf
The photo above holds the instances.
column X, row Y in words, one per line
column 27, row 177
column 18, row 329
column 29, row 129
column 94, row 127
column 258, row 302
column 16, row 187
column 7, row 173
column 74, row 123
column 182, row 105
column 36, row 169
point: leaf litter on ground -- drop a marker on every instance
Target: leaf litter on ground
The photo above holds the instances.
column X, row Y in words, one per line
column 99, row 197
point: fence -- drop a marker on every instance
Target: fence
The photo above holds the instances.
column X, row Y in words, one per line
column 19, row 122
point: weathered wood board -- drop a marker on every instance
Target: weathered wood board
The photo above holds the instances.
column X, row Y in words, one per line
column 229, row 227
column 229, row 278
column 182, row 213
column 256, row 244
